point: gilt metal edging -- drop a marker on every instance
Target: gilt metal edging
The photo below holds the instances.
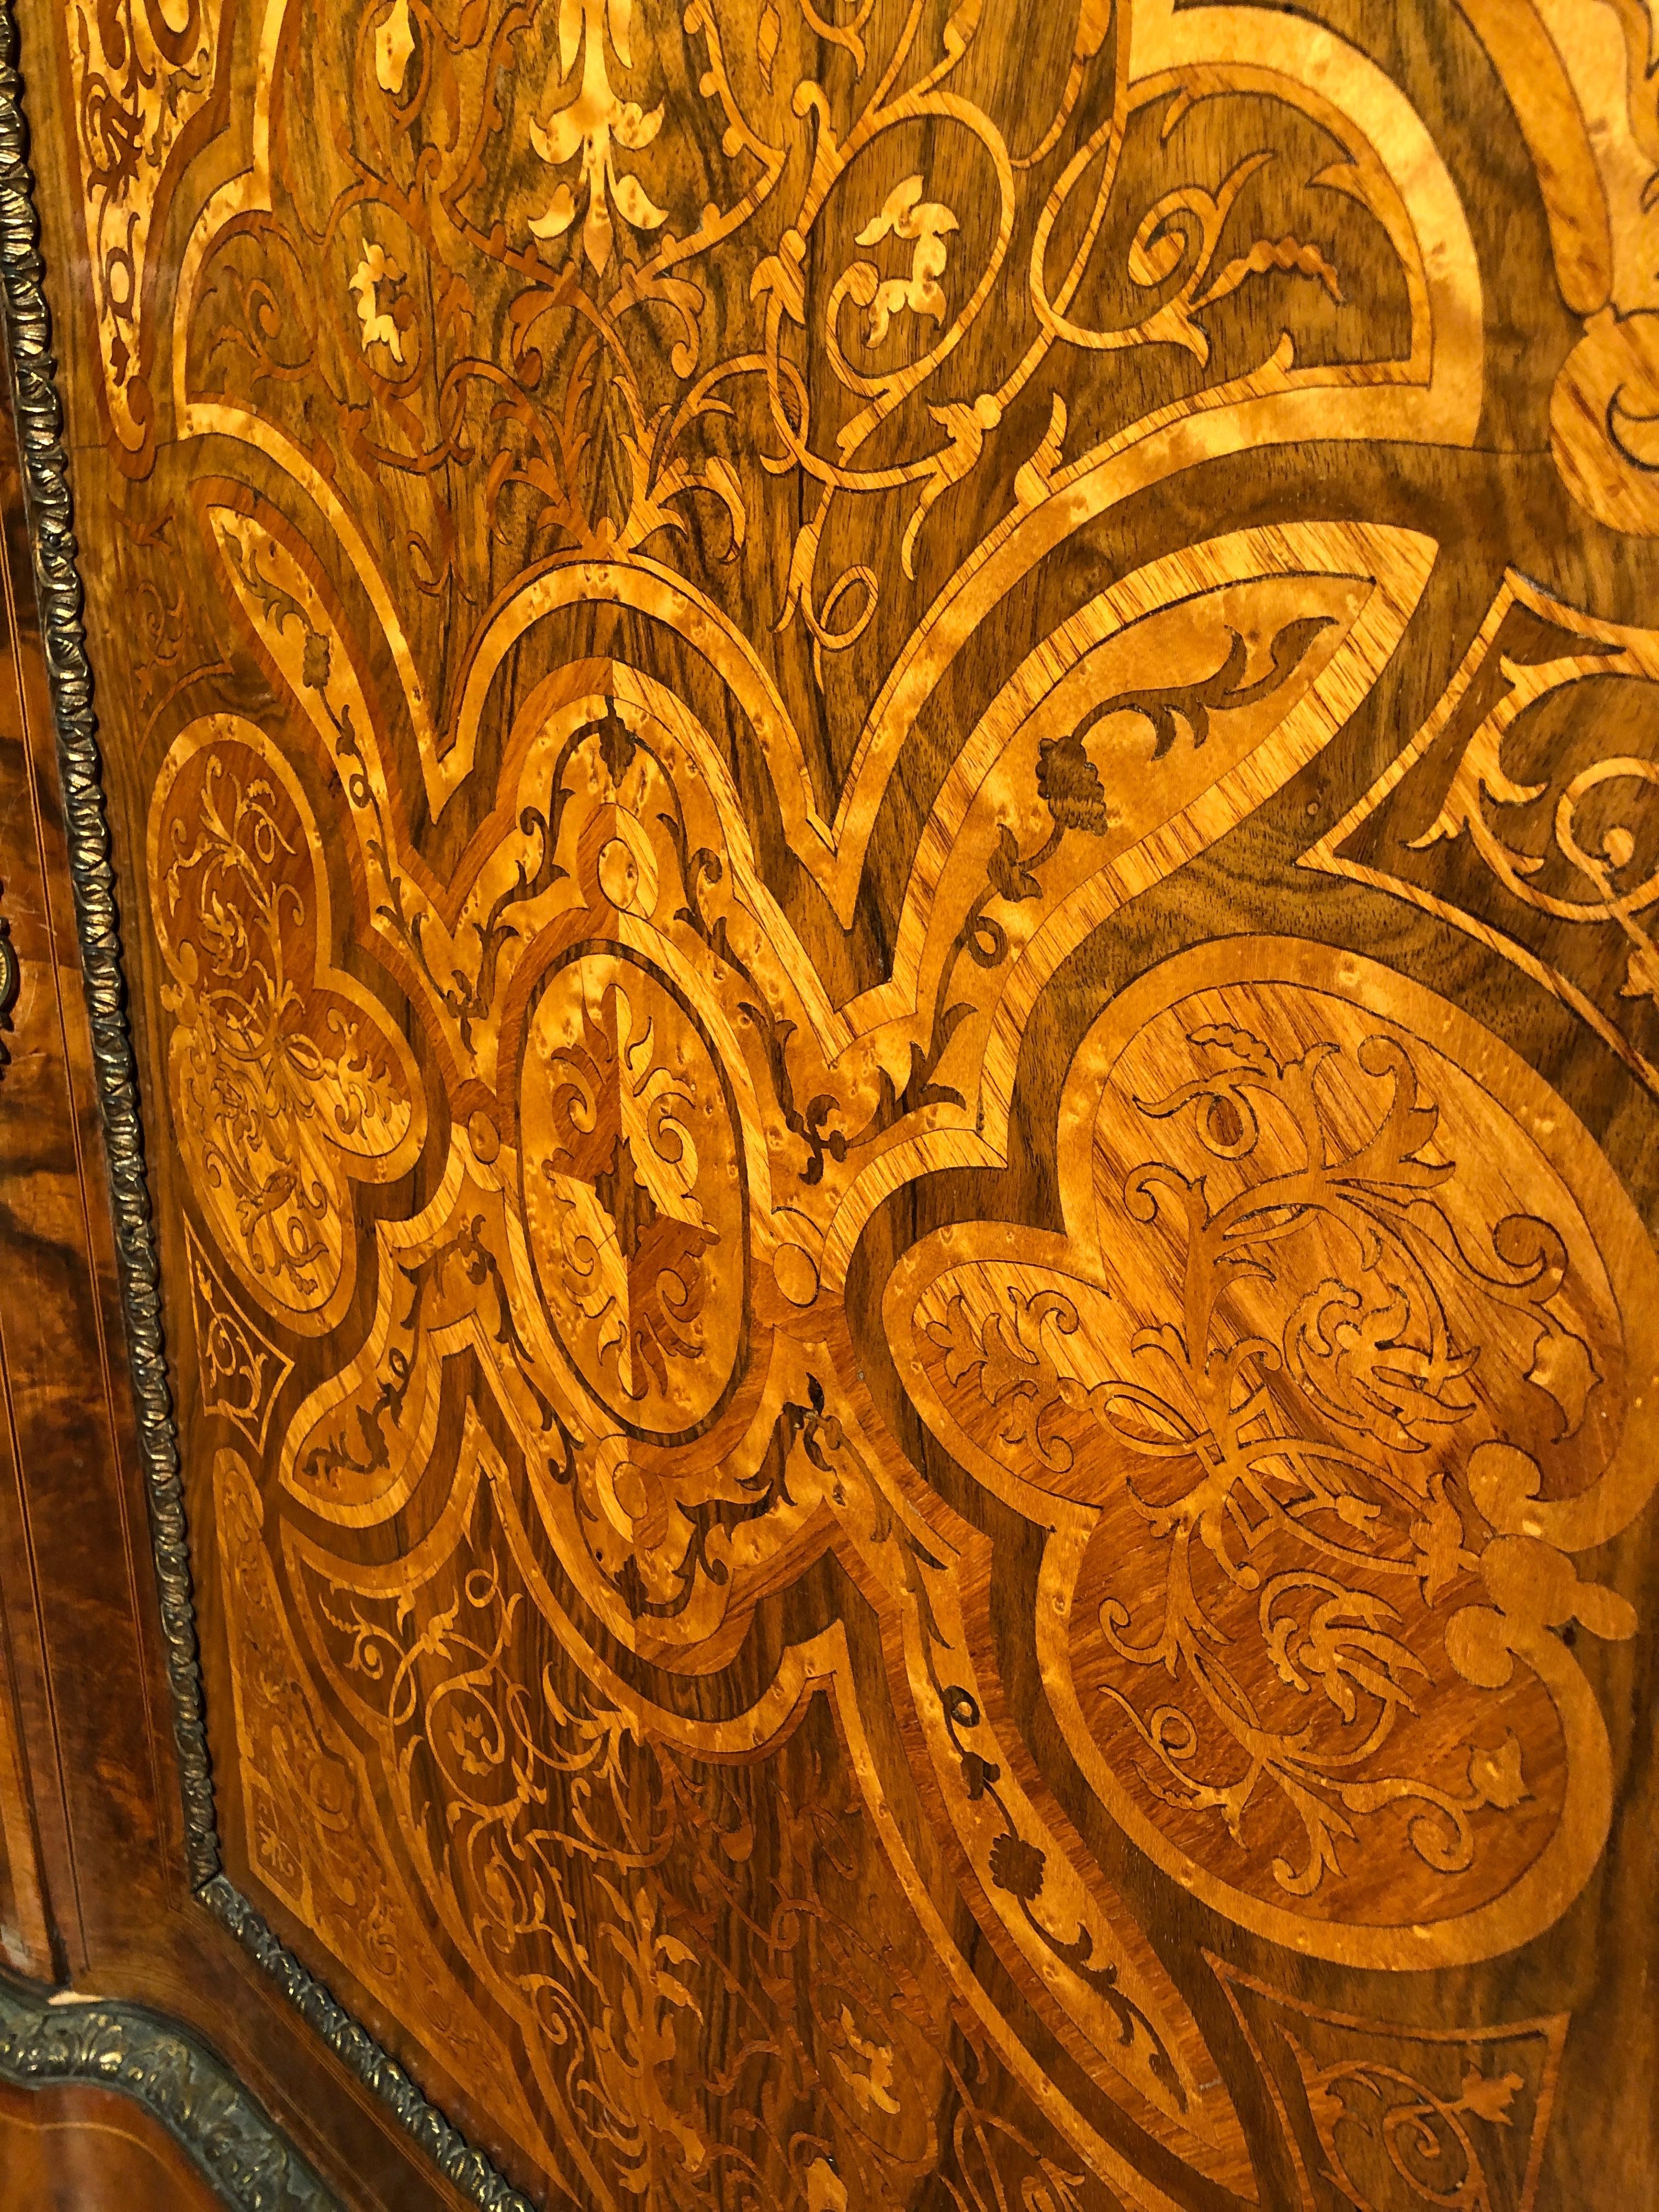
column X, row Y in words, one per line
column 227, row 2136
column 57, row 586
column 468, row 2169
column 39, row 417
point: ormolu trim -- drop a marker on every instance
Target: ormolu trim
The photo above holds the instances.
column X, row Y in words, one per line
column 100, row 2031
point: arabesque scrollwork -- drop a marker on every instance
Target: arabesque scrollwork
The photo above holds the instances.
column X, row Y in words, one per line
column 676, row 602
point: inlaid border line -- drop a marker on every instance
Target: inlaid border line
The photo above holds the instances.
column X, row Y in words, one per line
column 50, row 509
column 58, row 585
column 225, row 2133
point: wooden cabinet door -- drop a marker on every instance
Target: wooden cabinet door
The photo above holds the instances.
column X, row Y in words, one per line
column 863, row 795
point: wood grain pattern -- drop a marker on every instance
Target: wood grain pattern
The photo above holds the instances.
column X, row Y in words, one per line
column 49, row 1416
column 883, row 789
column 92, row 1882
column 88, row 2150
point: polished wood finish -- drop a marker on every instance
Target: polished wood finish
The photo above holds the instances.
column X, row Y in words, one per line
column 92, row 1882
column 884, row 785
column 89, row 2150
column 54, row 1220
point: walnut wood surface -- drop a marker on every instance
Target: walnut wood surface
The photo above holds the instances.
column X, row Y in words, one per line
column 883, row 779
column 64, row 1405
column 92, row 1882
column 89, row 2150
column 25, row 1931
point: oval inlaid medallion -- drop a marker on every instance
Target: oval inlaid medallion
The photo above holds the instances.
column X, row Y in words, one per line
column 634, row 1193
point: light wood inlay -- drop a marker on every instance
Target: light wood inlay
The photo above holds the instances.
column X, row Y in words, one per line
column 884, row 784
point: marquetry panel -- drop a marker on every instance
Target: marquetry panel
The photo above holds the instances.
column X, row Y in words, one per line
column 883, row 787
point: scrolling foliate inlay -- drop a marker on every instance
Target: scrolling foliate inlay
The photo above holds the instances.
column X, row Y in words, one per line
column 141, row 75
column 648, row 666
column 329, row 1865
column 610, row 391
column 242, row 1372
column 284, row 1082
column 663, row 1141
column 1526, row 810
column 1384, row 2119
column 1318, row 1417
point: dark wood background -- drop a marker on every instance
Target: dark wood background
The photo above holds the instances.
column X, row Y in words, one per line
column 358, row 399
